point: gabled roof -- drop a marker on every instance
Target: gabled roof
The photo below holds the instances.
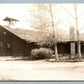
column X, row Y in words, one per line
column 35, row 36
column 27, row 35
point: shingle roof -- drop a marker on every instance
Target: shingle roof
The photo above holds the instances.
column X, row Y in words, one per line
column 34, row 36
column 27, row 35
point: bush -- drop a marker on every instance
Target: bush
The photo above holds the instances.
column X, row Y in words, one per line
column 41, row 53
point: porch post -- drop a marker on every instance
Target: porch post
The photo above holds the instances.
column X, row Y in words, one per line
column 72, row 49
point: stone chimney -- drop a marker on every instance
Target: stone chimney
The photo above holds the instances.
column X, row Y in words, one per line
column 72, row 41
column 72, row 34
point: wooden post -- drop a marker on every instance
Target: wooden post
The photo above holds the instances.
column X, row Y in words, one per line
column 72, row 46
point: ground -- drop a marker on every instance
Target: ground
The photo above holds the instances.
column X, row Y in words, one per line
column 20, row 70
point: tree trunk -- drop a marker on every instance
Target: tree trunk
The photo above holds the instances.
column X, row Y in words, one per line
column 77, row 31
column 53, row 26
column 56, row 53
column 79, row 51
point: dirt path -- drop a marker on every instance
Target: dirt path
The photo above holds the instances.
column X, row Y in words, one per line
column 40, row 70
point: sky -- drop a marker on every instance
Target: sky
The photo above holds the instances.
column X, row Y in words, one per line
column 17, row 11
column 21, row 12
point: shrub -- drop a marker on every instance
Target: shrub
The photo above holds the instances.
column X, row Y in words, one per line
column 41, row 53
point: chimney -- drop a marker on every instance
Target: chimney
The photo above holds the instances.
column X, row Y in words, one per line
column 72, row 34
column 72, row 42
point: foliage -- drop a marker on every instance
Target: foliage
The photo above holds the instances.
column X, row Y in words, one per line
column 41, row 53
column 40, row 17
column 44, row 21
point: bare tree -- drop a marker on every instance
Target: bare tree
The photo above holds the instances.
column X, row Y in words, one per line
column 43, row 19
column 53, row 26
column 77, row 31
column 76, row 24
column 40, row 20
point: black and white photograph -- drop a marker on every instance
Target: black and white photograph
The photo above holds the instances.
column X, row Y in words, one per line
column 42, row 42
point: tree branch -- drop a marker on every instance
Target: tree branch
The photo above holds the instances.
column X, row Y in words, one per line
column 68, row 12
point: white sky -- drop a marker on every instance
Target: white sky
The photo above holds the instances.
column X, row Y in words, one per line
column 20, row 12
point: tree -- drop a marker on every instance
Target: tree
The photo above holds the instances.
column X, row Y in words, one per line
column 40, row 20
column 43, row 21
column 53, row 26
column 77, row 28
column 77, row 31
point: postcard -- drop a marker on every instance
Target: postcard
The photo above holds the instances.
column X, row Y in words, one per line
column 41, row 42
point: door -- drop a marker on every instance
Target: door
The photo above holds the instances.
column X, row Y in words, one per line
column 8, row 49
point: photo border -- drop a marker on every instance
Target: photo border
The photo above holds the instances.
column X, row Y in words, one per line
column 41, row 1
